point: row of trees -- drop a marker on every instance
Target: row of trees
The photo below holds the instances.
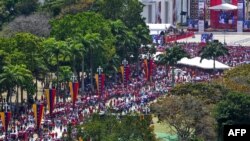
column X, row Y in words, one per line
column 78, row 43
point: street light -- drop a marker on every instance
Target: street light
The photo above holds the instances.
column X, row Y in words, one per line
column 125, row 62
column 99, row 70
column 148, row 55
column 73, row 77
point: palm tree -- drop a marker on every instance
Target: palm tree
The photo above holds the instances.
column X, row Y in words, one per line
column 170, row 57
column 15, row 75
column 93, row 42
column 213, row 50
column 77, row 49
column 65, row 74
column 112, row 66
column 53, row 49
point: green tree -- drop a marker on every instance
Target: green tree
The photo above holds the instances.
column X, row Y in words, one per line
column 65, row 74
column 234, row 109
column 170, row 57
column 125, row 128
column 53, row 49
column 82, row 27
column 184, row 114
column 122, row 9
column 26, row 7
column 213, row 50
column 93, row 45
column 209, row 93
column 238, row 79
column 15, row 75
column 30, row 45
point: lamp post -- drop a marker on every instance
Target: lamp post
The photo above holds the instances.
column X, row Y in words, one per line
column 73, row 77
column 148, row 56
column 99, row 70
column 125, row 63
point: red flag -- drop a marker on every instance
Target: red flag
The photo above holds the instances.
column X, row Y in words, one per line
column 38, row 110
column 50, row 97
column 5, row 117
column 146, row 68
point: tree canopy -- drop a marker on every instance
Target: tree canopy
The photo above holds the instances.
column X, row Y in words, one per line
column 124, row 128
column 234, row 109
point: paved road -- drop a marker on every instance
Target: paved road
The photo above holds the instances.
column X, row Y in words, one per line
column 231, row 38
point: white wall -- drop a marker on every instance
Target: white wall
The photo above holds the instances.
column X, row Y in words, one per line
column 164, row 10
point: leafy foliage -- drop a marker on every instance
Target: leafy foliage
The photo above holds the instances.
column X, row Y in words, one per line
column 233, row 110
column 186, row 114
column 209, row 93
column 238, row 79
column 213, row 50
column 172, row 55
column 125, row 128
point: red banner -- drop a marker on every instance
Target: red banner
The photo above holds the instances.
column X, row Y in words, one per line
column 214, row 14
column 150, row 69
column 173, row 38
column 74, row 88
column 50, row 97
column 101, row 84
column 146, row 68
column 5, row 118
column 38, row 110
column 127, row 74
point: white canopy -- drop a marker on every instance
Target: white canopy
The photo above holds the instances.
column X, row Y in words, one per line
column 205, row 64
column 224, row 6
column 157, row 28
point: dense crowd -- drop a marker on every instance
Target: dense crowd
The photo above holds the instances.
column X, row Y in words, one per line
column 118, row 99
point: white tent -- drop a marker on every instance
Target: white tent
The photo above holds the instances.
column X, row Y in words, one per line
column 157, row 28
column 224, row 6
column 205, row 64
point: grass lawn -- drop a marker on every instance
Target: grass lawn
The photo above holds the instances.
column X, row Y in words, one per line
column 163, row 131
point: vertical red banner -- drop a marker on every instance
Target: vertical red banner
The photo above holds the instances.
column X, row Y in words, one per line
column 38, row 110
column 150, row 69
column 146, row 68
column 50, row 97
column 5, row 118
column 127, row 74
column 102, row 84
column 75, row 92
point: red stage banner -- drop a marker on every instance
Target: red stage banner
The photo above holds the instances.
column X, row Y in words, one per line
column 173, row 38
column 214, row 14
column 5, row 118
column 50, row 97
column 38, row 110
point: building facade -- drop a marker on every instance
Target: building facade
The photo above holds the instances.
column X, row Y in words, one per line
column 166, row 11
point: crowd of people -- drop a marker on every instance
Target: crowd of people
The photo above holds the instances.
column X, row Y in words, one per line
column 117, row 99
